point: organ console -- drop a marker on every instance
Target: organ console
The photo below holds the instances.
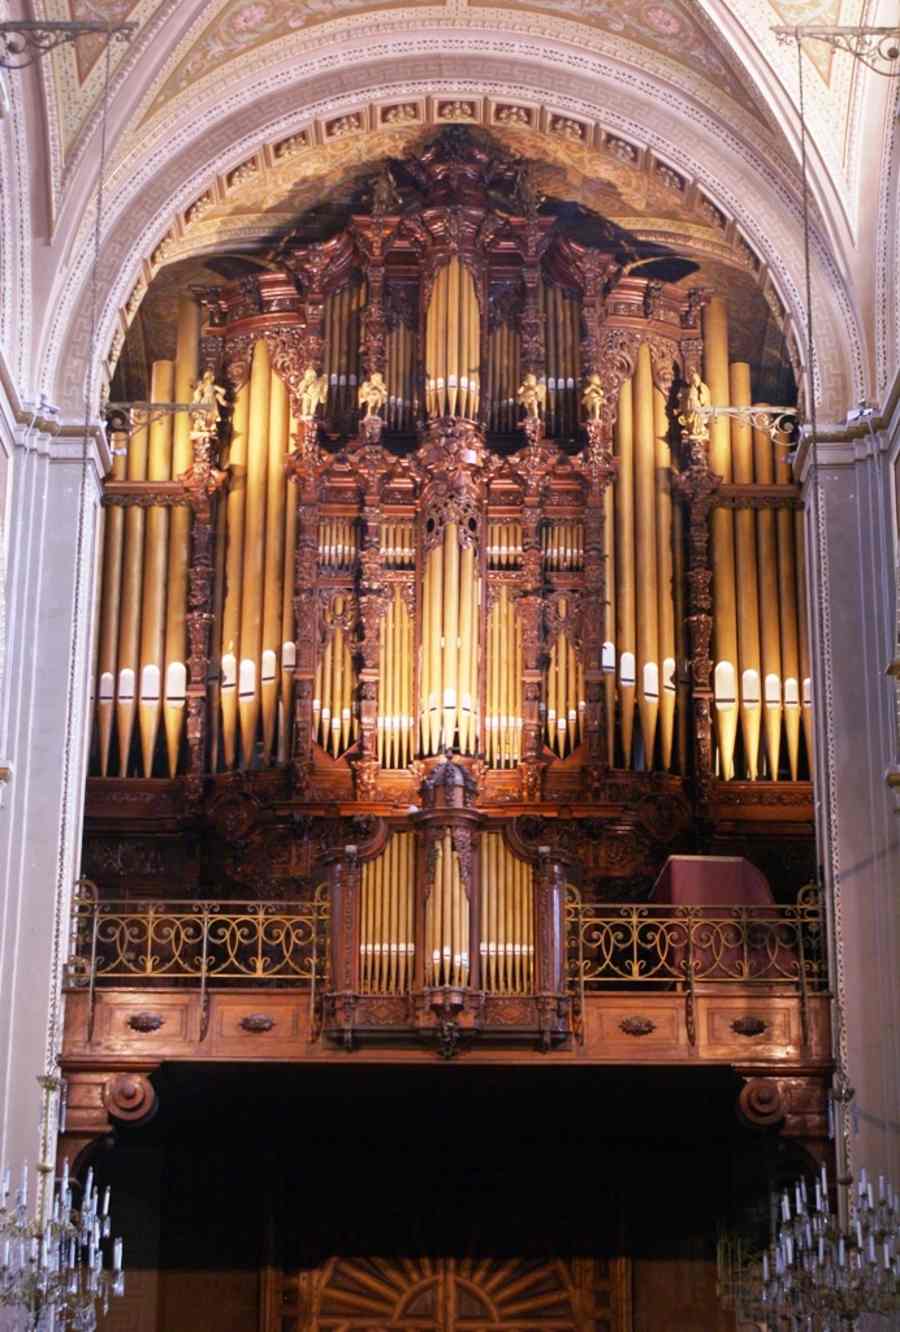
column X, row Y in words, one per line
column 503, row 586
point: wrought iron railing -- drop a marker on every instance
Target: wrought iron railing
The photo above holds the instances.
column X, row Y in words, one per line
column 149, row 941
column 654, row 946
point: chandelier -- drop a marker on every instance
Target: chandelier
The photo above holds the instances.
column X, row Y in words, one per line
column 820, row 1275
column 52, row 1272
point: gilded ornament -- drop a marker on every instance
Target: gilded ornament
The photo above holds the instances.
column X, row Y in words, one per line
column 311, row 392
column 372, row 394
column 206, row 405
column 593, row 397
column 532, row 396
column 695, row 397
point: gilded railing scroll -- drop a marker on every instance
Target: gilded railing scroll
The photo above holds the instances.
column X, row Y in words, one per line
column 656, row 946
column 208, row 942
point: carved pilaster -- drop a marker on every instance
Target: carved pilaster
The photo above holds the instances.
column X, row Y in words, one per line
column 550, row 945
column 696, row 487
column 598, row 466
column 307, row 628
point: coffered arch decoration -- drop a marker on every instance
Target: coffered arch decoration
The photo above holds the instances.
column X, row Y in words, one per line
column 732, row 178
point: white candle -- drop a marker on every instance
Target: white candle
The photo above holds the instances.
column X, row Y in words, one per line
column 766, row 1266
column 881, row 1187
column 117, row 1255
column 106, row 1201
column 841, row 1253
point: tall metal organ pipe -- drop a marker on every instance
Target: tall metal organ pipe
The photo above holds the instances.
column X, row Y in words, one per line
column 725, row 646
column 447, row 960
column 153, row 593
column 745, row 577
column 387, row 918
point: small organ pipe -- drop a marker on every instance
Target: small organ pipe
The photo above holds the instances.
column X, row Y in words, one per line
column 288, row 646
column 153, row 597
column 715, row 360
column 507, row 915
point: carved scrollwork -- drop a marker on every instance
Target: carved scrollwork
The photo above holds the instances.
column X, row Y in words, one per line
column 145, row 1022
column 637, row 1026
column 130, row 1097
column 257, row 1023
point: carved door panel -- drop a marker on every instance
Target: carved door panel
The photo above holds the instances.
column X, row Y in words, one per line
column 382, row 1294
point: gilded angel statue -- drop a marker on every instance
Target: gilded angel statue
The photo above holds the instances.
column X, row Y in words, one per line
column 593, row 397
column 206, row 404
column 311, row 391
column 532, row 395
column 695, row 397
column 372, row 393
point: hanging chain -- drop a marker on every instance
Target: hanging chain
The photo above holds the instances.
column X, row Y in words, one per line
column 51, row 1057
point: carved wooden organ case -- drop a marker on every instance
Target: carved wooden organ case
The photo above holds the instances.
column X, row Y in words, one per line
column 471, row 636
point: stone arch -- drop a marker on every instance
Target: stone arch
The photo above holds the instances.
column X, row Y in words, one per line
column 143, row 196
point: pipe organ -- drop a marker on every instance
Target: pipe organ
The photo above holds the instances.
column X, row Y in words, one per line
column 450, row 552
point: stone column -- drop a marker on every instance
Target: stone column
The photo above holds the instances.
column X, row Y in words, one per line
column 851, row 563
column 46, row 701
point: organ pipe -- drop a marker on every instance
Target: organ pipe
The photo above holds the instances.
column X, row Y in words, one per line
column 130, row 622
column 564, row 692
column 447, row 919
column 395, row 720
column 452, row 350
column 175, row 677
column 715, row 360
column 770, row 626
column 334, row 715
column 153, row 594
column 803, row 640
column 664, row 578
column 254, row 550
column 507, row 919
column 787, row 595
column 448, row 694
column 625, row 568
column 645, row 546
column 110, row 604
column 503, row 719
column 745, row 575
column 274, row 561
column 288, row 646
column 608, row 657
column 387, row 930
column 234, row 561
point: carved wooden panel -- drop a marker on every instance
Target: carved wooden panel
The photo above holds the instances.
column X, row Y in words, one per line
column 440, row 1294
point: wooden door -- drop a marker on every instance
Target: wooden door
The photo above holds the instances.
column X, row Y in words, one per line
column 380, row 1294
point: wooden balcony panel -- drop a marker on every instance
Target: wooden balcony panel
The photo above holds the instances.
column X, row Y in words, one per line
column 262, row 1024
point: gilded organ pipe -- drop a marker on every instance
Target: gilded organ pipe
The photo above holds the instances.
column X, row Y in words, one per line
column 175, row 677
column 665, row 579
column 507, row 919
column 447, row 919
column 254, row 550
column 787, row 596
column 749, row 653
column 770, row 628
column 288, row 645
column 503, row 720
column 153, row 595
column 645, row 547
column 626, row 630
column 608, row 657
column 387, row 919
column 395, row 720
column 273, row 588
column 725, row 647
column 130, row 617
column 110, row 606
column 233, row 543
column 452, row 343
column 803, row 639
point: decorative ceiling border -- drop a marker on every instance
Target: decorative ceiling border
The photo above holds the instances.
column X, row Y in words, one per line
column 768, row 214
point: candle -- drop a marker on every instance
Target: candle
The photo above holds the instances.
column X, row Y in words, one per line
column 766, row 1266
column 117, row 1255
column 881, row 1187
column 887, row 1256
column 871, row 1200
column 818, row 1196
column 870, row 1249
column 841, row 1253
column 858, row 1233
column 785, row 1207
column 824, row 1182
column 106, row 1201
column 23, row 1191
